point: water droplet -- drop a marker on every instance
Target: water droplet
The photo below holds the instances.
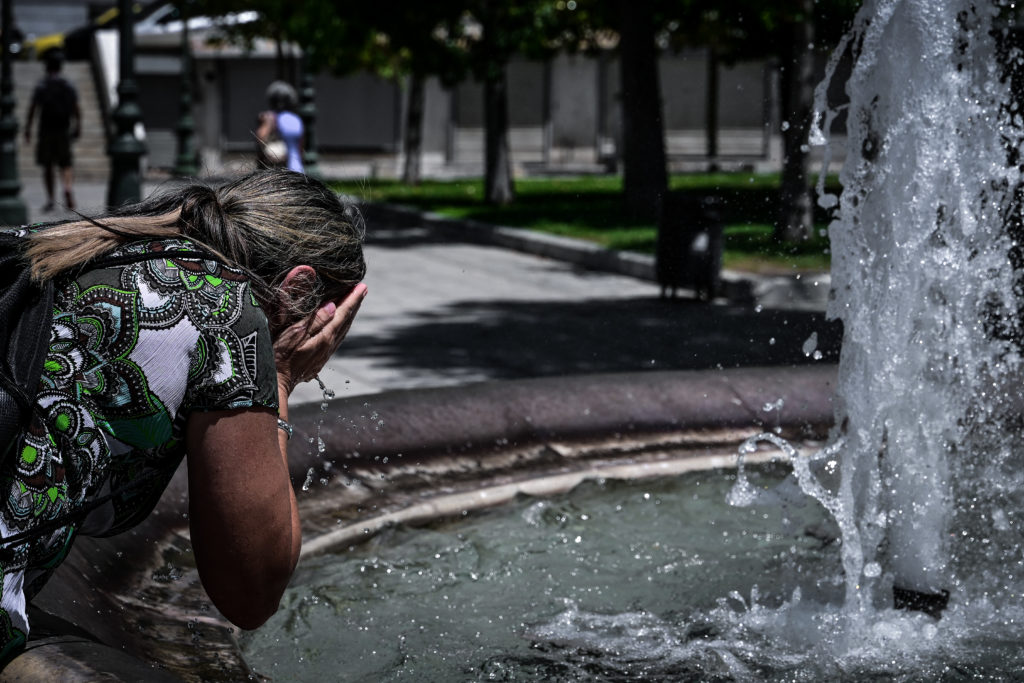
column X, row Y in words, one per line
column 811, row 344
column 1000, row 521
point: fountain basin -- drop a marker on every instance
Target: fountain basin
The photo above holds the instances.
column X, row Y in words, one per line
column 131, row 607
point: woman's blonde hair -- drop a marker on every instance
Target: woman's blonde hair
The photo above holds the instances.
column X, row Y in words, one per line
column 265, row 223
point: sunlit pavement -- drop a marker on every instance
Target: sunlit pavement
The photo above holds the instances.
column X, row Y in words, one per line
column 443, row 313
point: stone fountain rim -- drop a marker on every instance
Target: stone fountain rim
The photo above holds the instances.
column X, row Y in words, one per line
column 427, row 426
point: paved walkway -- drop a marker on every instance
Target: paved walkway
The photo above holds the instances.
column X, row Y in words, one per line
column 90, row 197
column 440, row 313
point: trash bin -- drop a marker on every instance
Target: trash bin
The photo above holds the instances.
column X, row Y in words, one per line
column 689, row 245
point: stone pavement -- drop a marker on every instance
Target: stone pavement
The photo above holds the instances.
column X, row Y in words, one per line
column 443, row 312
column 90, row 197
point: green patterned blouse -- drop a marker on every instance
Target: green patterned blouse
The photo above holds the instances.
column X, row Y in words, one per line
column 134, row 349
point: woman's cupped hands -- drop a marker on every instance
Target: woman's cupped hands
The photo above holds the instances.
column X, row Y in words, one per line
column 304, row 347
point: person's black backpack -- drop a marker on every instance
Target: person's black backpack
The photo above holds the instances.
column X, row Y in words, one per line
column 26, row 312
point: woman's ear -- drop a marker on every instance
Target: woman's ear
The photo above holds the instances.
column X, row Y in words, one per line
column 299, row 281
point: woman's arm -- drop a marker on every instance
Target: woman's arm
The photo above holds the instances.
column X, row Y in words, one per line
column 242, row 511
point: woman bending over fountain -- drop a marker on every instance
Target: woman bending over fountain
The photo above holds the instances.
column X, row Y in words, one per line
column 181, row 325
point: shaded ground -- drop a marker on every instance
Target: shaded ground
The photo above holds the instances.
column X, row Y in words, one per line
column 506, row 339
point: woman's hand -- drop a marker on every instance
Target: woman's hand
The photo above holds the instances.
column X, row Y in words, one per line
column 303, row 348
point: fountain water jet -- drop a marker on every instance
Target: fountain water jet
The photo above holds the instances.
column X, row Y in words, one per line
column 924, row 281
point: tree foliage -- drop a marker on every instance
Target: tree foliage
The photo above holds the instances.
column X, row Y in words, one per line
column 455, row 39
column 495, row 31
column 790, row 34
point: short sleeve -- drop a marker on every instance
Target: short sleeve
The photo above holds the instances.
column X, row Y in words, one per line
column 232, row 364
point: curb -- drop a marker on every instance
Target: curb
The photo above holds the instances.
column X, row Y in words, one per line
column 479, row 419
column 804, row 292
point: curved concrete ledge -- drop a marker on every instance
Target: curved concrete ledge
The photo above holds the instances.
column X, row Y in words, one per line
column 130, row 608
column 493, row 416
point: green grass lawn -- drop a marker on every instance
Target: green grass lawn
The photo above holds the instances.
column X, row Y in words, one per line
column 590, row 208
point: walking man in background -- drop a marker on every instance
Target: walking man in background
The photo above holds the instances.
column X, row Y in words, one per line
column 60, row 122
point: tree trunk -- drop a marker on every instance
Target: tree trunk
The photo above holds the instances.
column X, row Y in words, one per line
column 645, row 180
column 711, row 121
column 497, row 163
column 414, row 132
column 279, row 56
column 796, row 211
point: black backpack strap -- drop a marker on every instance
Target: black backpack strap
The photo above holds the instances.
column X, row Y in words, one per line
column 26, row 309
column 77, row 515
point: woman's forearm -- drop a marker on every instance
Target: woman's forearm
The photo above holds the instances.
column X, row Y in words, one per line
column 283, row 391
column 242, row 511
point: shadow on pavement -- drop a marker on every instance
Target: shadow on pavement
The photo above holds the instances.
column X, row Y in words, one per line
column 516, row 339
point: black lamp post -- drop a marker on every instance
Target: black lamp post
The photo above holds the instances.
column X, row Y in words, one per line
column 185, row 162
column 12, row 208
column 125, row 149
column 307, row 111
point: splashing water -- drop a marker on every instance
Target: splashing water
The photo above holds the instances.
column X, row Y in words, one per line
column 925, row 241
column 646, row 580
column 321, row 447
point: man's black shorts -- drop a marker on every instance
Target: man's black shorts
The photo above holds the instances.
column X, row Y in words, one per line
column 53, row 149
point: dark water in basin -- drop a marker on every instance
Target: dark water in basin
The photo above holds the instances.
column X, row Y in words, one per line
column 619, row 581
